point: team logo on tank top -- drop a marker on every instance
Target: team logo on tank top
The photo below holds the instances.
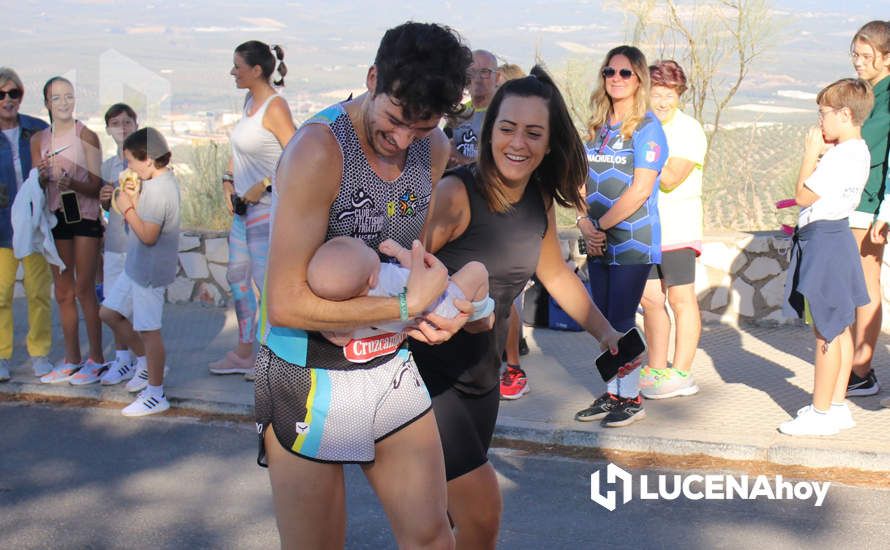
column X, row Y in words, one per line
column 467, row 144
column 368, row 219
column 406, row 206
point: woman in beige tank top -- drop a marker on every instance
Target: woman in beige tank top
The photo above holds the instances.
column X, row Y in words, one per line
column 69, row 158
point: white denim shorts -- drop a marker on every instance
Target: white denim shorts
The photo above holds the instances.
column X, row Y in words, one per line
column 143, row 306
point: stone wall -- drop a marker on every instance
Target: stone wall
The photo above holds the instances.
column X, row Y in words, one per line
column 201, row 277
column 740, row 277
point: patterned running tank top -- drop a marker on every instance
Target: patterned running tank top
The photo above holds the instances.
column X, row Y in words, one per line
column 371, row 209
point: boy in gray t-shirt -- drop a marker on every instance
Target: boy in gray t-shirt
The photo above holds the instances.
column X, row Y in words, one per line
column 136, row 301
column 154, row 265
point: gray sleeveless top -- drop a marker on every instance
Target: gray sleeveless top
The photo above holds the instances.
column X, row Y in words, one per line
column 509, row 245
column 369, row 208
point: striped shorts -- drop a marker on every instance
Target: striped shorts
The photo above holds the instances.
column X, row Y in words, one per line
column 336, row 416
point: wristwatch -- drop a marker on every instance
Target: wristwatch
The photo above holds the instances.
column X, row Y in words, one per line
column 268, row 184
column 579, row 218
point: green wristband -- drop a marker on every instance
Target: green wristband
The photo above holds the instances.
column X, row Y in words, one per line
column 403, row 304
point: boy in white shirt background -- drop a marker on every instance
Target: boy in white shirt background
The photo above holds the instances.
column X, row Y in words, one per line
column 120, row 122
column 825, row 282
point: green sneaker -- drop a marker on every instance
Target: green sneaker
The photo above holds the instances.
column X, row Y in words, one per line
column 649, row 376
column 667, row 383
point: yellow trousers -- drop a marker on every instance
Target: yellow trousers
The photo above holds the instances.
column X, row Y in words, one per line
column 38, row 279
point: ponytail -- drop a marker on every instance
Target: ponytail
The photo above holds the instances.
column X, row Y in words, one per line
column 282, row 68
column 267, row 57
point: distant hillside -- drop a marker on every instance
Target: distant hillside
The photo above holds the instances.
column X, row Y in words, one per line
column 748, row 170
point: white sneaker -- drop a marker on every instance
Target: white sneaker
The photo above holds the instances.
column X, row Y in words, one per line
column 146, row 405
column 841, row 416
column 810, row 422
column 61, row 373
column 4, row 370
column 89, row 373
column 139, row 381
column 118, row 371
column 41, row 365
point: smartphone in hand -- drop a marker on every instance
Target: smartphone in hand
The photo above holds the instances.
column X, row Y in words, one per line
column 70, row 207
column 630, row 346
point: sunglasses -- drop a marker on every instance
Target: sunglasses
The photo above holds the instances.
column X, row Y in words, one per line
column 625, row 74
column 14, row 93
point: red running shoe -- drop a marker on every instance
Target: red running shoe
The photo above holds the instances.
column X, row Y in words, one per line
column 514, row 383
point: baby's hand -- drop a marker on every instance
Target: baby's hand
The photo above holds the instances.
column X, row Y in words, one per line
column 395, row 250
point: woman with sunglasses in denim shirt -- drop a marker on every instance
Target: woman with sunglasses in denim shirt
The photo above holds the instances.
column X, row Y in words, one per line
column 15, row 163
column 626, row 150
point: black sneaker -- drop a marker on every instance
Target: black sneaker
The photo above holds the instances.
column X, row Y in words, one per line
column 599, row 408
column 627, row 412
column 859, row 387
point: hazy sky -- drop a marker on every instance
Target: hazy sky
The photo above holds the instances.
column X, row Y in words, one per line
column 188, row 43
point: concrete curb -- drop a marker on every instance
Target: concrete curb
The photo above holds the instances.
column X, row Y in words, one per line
column 112, row 395
column 776, row 453
column 527, row 431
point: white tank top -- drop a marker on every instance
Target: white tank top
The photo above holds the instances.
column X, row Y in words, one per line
column 255, row 150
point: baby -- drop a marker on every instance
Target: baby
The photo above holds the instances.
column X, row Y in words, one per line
column 345, row 267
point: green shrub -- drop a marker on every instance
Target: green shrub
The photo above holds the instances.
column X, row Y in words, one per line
column 199, row 168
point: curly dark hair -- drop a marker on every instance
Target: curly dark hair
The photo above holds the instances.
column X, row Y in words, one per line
column 424, row 67
column 563, row 171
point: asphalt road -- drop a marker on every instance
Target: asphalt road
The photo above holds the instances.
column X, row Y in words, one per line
column 89, row 478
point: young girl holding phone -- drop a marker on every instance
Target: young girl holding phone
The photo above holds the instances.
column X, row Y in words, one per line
column 69, row 160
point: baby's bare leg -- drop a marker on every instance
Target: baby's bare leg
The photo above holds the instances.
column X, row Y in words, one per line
column 472, row 280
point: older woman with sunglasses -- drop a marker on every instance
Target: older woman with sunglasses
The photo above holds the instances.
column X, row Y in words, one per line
column 680, row 211
column 626, row 151
column 15, row 163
